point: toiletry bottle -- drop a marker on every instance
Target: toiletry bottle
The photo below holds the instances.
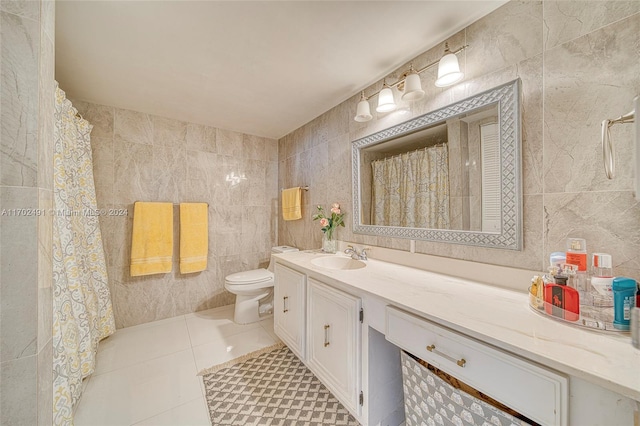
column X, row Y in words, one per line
column 549, row 277
column 562, row 301
column 635, row 327
column 601, row 279
column 537, row 292
column 571, row 272
column 624, row 298
column 577, row 255
column 540, row 294
column 557, row 258
column 638, row 296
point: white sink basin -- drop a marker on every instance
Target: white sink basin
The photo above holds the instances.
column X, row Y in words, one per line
column 338, row 262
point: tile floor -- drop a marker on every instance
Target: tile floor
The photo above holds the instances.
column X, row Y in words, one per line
column 146, row 375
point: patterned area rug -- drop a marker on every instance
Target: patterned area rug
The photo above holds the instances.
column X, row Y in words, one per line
column 270, row 387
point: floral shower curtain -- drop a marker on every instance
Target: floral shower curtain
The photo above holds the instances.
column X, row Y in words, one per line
column 82, row 311
column 412, row 189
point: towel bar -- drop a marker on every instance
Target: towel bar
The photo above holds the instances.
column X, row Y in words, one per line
column 304, row 188
column 175, row 204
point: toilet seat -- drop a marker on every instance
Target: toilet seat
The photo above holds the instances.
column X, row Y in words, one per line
column 255, row 276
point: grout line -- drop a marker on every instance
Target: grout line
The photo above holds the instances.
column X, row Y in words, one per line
column 193, row 356
column 146, row 359
column 166, row 411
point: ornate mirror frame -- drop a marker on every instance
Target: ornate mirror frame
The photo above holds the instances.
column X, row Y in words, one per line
column 507, row 98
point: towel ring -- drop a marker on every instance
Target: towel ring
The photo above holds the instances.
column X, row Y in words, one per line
column 608, row 155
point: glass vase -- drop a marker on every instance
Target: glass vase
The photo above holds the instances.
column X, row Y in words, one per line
column 329, row 242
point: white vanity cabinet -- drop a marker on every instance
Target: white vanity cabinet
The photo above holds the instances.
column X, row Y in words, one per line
column 521, row 363
column 289, row 301
column 333, row 343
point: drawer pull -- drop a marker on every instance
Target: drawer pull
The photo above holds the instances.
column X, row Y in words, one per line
column 461, row 362
column 285, row 308
column 326, row 335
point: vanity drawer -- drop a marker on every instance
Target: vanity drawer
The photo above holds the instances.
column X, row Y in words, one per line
column 528, row 388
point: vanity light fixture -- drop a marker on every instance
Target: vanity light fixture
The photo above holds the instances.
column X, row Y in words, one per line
column 448, row 69
column 448, row 73
column 412, row 87
column 385, row 99
column 363, row 112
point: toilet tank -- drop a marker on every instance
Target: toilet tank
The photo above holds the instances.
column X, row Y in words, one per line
column 283, row 249
column 279, row 249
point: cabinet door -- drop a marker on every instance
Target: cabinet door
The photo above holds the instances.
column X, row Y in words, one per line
column 333, row 346
column 289, row 307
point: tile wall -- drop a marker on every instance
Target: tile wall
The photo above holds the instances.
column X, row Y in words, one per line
column 26, row 182
column 578, row 62
column 140, row 157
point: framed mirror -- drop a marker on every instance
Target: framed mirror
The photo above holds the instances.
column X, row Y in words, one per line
column 452, row 175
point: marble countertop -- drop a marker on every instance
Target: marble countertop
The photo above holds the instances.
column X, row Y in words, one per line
column 494, row 315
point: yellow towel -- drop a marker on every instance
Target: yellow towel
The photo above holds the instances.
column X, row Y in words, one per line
column 194, row 237
column 291, row 203
column 152, row 239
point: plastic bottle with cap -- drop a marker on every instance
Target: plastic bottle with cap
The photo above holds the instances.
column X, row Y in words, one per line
column 624, row 299
column 577, row 255
column 602, row 274
column 557, row 258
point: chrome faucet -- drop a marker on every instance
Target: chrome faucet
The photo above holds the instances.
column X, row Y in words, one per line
column 353, row 252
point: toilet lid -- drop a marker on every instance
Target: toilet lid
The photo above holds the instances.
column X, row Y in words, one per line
column 250, row 277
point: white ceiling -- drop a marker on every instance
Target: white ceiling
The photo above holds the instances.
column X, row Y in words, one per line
column 257, row 67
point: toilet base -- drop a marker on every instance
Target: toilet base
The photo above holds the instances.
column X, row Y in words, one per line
column 246, row 309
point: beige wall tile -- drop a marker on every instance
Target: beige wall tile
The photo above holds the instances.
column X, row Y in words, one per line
column 138, row 300
column 229, row 143
column 48, row 18
column 18, row 401
column 253, row 187
column 201, row 138
column 271, row 147
column 46, row 111
column 45, row 268
column 169, row 174
column 18, row 262
column 132, row 126
column 45, row 384
column 19, row 101
column 23, row 8
column 254, row 147
column 201, row 176
column 566, row 20
column 168, row 132
column 133, row 172
column 103, row 170
column 587, row 80
column 508, row 35
column 101, row 118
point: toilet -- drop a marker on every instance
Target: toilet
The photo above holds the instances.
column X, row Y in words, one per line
column 251, row 287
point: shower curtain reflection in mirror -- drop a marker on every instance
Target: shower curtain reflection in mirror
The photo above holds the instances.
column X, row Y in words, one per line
column 412, row 189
